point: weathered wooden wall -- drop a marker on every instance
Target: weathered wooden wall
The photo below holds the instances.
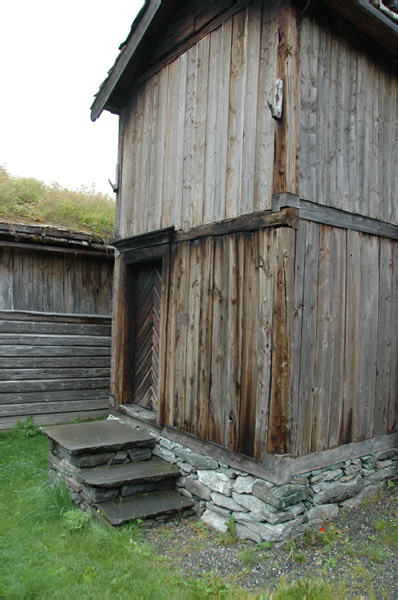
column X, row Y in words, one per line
column 50, row 281
column 349, row 121
column 228, row 348
column 53, row 367
column 345, row 352
column 198, row 136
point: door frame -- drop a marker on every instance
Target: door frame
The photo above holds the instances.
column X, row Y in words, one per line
column 134, row 251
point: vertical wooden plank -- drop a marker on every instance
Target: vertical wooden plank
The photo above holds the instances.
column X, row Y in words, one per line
column 119, row 332
column 160, row 151
column 219, row 397
column 236, row 113
column 199, row 132
column 212, row 172
column 142, row 215
column 338, row 308
column 7, row 279
column 323, row 130
column 250, row 103
column 38, row 272
column 205, row 339
column 299, row 273
column 368, row 334
column 127, row 191
column 349, row 424
column 170, row 144
column 265, row 123
column 189, row 167
column 309, row 104
column 264, row 350
column 164, row 336
column 362, row 138
column 193, row 328
column 154, row 205
column 233, row 358
column 220, row 142
column 324, row 342
column 393, row 396
column 179, row 157
column 249, row 346
column 139, row 186
column 373, row 148
column 385, row 333
column 287, row 129
column 17, row 281
column 308, row 331
column 68, row 289
column 279, row 441
column 178, row 325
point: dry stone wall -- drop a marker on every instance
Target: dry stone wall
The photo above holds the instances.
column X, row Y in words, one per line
column 263, row 511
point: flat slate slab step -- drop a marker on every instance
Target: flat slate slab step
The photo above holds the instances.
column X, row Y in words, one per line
column 144, row 506
column 98, row 436
column 112, row 476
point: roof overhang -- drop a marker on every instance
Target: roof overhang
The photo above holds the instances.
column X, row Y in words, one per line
column 365, row 15
column 103, row 99
column 112, row 94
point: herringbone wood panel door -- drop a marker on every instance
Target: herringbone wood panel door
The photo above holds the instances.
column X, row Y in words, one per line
column 147, row 327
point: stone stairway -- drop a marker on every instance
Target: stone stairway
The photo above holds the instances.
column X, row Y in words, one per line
column 109, row 467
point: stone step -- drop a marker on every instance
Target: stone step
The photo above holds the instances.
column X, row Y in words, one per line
column 144, row 506
column 98, row 437
column 116, row 476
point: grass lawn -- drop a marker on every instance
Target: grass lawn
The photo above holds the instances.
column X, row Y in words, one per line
column 51, row 549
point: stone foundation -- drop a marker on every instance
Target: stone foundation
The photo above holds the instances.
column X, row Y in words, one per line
column 263, row 511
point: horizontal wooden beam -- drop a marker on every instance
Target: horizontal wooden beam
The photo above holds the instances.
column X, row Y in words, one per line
column 43, row 374
column 10, row 339
column 276, row 469
column 57, row 362
column 54, row 407
column 43, row 247
column 22, row 350
column 41, row 327
column 318, row 460
column 287, row 217
column 16, row 389
column 28, row 315
column 53, row 396
column 147, row 243
column 327, row 215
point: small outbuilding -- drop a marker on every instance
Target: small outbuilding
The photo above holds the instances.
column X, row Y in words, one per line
column 55, row 319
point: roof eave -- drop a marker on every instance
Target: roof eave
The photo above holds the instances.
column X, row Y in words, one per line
column 139, row 29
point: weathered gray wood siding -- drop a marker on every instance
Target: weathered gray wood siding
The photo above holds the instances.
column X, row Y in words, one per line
column 228, row 340
column 53, row 367
column 198, row 136
column 48, row 281
column 345, row 339
column 349, row 122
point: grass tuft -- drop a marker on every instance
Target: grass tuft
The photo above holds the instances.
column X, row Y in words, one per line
column 27, row 200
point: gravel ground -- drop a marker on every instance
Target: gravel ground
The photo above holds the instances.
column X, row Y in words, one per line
column 358, row 551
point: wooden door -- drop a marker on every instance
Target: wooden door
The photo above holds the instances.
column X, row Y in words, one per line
column 146, row 330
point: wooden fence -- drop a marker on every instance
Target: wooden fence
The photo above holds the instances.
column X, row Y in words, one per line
column 53, row 367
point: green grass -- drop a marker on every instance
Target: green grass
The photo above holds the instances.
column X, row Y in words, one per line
column 51, row 549
column 49, row 552
column 27, row 200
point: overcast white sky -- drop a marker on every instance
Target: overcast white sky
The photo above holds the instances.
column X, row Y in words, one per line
column 54, row 56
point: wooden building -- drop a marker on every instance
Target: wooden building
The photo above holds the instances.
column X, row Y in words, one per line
column 255, row 288
column 55, row 307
